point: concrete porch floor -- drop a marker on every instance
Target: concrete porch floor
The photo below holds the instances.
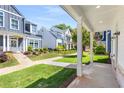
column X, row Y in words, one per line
column 99, row 76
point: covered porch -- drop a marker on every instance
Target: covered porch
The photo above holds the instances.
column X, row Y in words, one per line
column 10, row 41
column 96, row 18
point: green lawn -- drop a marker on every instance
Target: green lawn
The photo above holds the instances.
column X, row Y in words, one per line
column 36, row 76
column 85, row 59
column 50, row 55
column 11, row 62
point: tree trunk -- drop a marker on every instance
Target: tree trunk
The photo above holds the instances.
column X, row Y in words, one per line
column 84, row 48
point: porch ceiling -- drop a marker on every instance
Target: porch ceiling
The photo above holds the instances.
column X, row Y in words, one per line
column 98, row 18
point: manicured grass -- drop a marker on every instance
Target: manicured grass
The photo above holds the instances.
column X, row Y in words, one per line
column 11, row 62
column 85, row 59
column 50, row 55
column 43, row 56
column 37, row 76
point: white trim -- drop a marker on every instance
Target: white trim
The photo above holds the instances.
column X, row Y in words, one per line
column 33, row 38
column 31, row 26
column 9, row 12
column 8, row 43
column 3, row 19
column 4, row 42
column 11, row 23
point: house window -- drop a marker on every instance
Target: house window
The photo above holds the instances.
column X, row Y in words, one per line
column 31, row 43
column 1, row 19
column 27, row 27
column 36, row 44
column 14, row 24
column 34, row 29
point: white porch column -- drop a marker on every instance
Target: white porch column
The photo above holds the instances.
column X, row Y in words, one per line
column 70, row 46
column 4, row 42
column 91, row 47
column 67, row 46
column 26, row 44
column 17, row 47
column 79, row 48
column 8, row 43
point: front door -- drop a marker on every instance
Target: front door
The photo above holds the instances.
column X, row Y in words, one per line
column 14, row 44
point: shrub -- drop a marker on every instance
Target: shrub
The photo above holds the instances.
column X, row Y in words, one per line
column 3, row 57
column 36, row 50
column 30, row 48
column 50, row 49
column 100, row 50
column 60, row 47
column 45, row 50
column 41, row 50
column 27, row 53
column 35, row 53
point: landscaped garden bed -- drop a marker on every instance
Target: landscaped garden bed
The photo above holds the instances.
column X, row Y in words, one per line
column 7, row 60
column 85, row 58
column 37, row 76
column 44, row 53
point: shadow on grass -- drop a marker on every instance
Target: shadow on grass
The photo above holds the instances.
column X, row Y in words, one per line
column 54, row 81
column 102, row 61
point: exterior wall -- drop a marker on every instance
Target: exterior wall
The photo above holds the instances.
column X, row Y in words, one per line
column 119, row 65
column 7, row 17
column 48, row 40
column 59, row 41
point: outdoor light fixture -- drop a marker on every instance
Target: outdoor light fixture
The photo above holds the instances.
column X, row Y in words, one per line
column 98, row 6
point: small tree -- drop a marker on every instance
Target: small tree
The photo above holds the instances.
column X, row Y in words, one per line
column 62, row 26
column 30, row 48
column 85, row 37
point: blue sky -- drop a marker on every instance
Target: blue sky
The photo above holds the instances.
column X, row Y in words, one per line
column 46, row 16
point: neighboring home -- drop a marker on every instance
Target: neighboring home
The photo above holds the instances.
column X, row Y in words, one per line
column 55, row 37
column 16, row 33
column 104, row 38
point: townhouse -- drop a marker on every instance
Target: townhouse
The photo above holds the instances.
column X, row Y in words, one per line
column 17, row 33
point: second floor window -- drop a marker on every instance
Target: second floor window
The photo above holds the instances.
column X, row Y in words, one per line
column 14, row 24
column 34, row 29
column 1, row 19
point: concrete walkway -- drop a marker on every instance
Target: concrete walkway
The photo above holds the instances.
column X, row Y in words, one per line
column 99, row 76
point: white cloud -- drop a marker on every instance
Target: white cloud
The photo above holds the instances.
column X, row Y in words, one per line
column 53, row 10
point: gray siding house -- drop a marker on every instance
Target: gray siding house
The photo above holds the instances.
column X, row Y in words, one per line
column 54, row 37
column 16, row 33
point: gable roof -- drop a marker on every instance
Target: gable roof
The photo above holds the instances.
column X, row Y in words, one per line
column 54, row 31
column 13, row 6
